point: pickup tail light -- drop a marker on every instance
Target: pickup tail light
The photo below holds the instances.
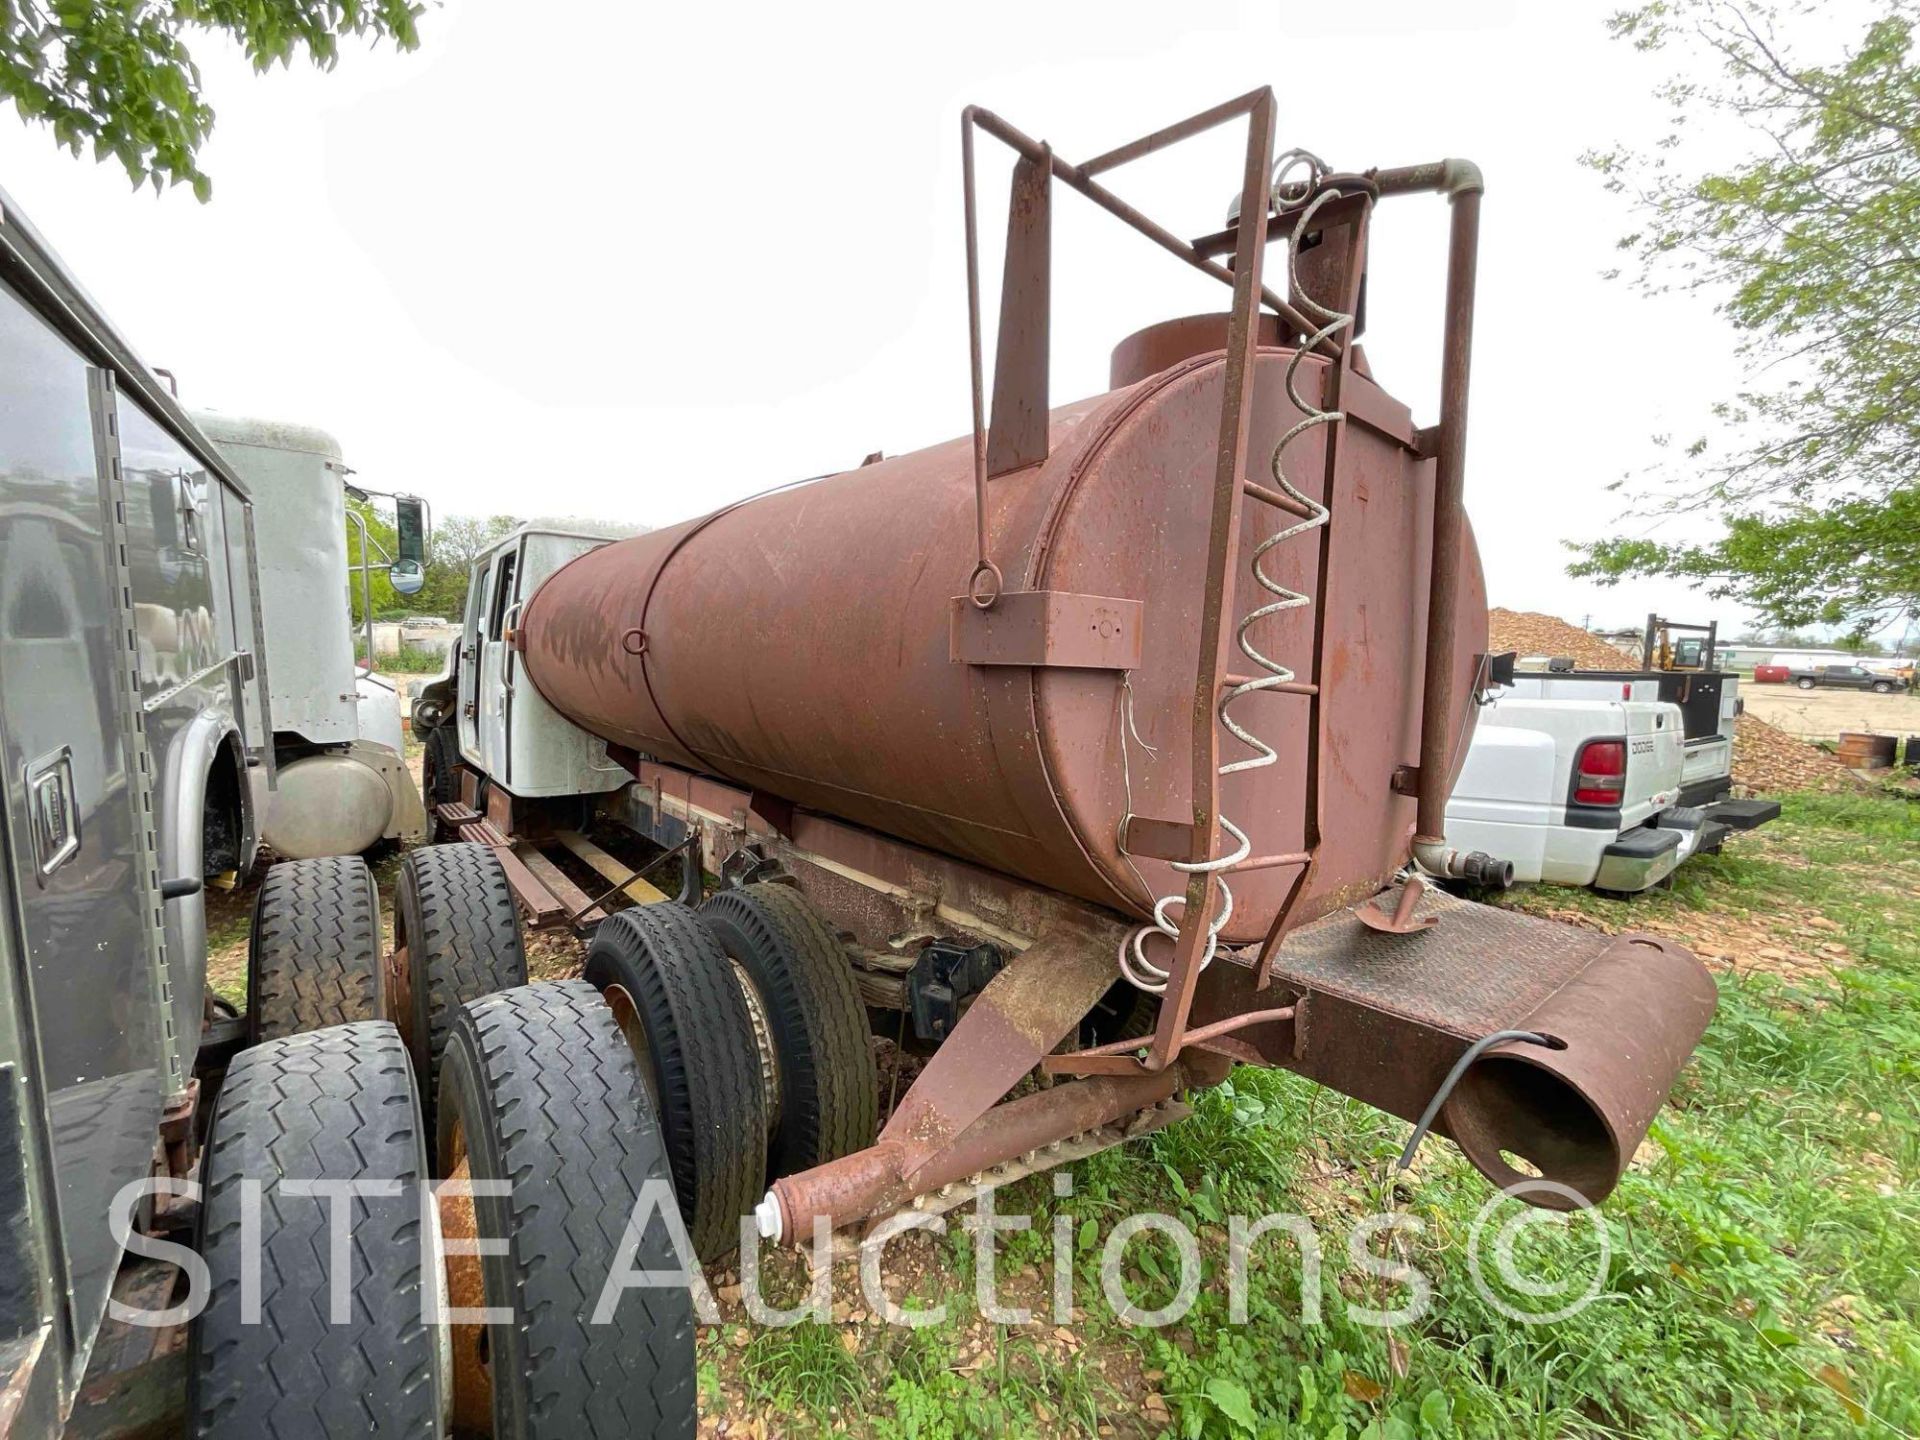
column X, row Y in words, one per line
column 1600, row 774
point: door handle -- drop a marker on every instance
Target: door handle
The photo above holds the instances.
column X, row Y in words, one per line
column 508, row 651
column 52, row 813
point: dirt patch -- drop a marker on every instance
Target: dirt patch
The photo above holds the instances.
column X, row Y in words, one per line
column 556, row 954
column 1801, row 945
column 1823, row 714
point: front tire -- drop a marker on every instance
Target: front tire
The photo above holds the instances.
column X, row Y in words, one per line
column 439, row 775
column 330, row 1105
column 1882, row 687
column 540, row 1089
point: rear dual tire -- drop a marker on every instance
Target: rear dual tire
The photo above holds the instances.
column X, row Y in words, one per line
column 826, row 1089
column 751, row 1039
column 540, row 1088
column 542, row 1092
column 673, row 992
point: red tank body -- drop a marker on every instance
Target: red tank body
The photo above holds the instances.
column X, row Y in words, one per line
column 804, row 643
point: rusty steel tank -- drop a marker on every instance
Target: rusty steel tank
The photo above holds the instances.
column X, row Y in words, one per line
column 816, row 643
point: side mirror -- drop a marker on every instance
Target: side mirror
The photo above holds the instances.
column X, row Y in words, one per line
column 409, row 569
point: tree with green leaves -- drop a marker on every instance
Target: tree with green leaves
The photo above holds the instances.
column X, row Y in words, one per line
column 1810, row 247
column 1854, row 563
column 456, row 543
column 117, row 75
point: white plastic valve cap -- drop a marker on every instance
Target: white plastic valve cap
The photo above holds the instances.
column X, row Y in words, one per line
column 767, row 1218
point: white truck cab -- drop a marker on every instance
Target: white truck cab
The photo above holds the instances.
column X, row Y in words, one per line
column 505, row 729
column 1602, row 778
column 343, row 784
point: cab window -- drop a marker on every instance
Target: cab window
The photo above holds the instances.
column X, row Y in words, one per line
column 502, row 597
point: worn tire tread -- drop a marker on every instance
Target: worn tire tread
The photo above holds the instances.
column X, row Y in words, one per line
column 548, row 1095
column 456, row 914
column 334, row 1104
column 313, row 952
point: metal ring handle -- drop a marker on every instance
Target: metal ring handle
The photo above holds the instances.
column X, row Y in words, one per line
column 984, row 599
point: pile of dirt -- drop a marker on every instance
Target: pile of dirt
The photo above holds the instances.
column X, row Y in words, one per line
column 1766, row 760
column 1532, row 634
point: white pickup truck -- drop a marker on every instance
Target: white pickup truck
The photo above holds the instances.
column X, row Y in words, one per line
column 1601, row 777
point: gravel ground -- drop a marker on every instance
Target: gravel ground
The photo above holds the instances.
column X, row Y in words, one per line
column 1823, row 714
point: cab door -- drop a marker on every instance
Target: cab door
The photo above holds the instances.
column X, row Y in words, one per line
column 472, row 638
column 495, row 669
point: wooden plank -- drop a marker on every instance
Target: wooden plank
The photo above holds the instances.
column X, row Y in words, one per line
column 637, row 889
column 556, row 880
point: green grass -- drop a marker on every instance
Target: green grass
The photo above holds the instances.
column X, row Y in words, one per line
column 408, row 660
column 1764, row 1277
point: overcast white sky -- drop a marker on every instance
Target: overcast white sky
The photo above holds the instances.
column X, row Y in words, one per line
column 643, row 260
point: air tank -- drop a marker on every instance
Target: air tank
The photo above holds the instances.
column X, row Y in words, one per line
column 813, row 644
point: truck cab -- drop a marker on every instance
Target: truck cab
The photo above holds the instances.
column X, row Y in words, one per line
column 503, row 729
column 343, row 781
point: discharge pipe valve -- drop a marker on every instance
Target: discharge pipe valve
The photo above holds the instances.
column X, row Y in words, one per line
column 1476, row 867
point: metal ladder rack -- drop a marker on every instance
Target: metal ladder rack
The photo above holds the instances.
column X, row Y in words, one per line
column 1016, row 436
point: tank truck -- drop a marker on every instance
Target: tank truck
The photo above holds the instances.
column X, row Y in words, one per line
column 1099, row 741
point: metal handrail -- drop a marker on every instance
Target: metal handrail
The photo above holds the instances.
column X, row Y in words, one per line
column 366, row 592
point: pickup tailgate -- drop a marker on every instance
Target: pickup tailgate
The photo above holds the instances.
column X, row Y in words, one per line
column 1705, row 763
column 1655, row 760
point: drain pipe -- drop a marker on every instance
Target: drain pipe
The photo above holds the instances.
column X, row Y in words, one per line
column 1460, row 181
